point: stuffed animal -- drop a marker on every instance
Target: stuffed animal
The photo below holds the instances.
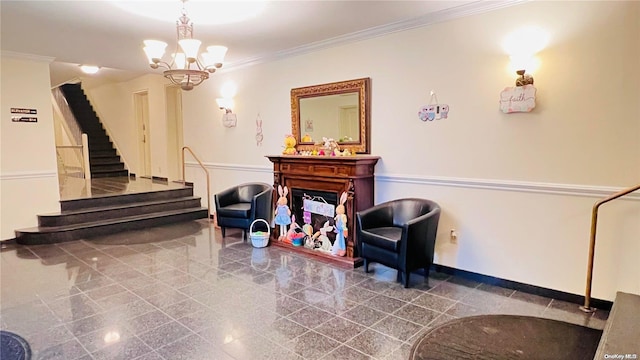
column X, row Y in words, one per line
column 294, row 233
column 289, row 145
column 324, row 239
column 339, row 247
column 283, row 213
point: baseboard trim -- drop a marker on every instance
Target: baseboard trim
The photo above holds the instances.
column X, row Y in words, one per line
column 526, row 288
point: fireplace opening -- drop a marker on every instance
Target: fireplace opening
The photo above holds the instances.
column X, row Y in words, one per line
column 315, row 208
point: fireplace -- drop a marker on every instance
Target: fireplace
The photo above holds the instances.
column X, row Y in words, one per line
column 319, row 182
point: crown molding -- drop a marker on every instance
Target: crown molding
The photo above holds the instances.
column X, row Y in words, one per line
column 474, row 8
column 23, row 56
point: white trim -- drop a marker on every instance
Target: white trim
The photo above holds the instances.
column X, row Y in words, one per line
column 476, row 7
column 28, row 175
column 23, row 56
column 231, row 167
column 508, row 185
column 470, row 183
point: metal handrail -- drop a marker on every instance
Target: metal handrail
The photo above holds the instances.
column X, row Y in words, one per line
column 206, row 172
column 592, row 244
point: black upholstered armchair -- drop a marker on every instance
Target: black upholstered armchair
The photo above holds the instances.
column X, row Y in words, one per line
column 239, row 206
column 400, row 234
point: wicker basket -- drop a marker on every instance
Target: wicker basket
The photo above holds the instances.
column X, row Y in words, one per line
column 259, row 239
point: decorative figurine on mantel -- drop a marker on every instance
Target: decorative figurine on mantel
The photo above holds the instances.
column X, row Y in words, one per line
column 289, row 145
column 340, row 246
column 283, row 213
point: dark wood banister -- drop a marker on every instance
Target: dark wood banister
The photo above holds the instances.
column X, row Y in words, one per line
column 592, row 244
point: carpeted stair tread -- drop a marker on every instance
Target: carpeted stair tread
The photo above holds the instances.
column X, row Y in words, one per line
column 125, row 219
column 123, row 206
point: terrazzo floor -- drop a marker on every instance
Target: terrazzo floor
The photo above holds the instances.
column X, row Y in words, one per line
column 182, row 292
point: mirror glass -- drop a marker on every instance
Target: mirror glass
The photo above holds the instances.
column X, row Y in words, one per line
column 337, row 110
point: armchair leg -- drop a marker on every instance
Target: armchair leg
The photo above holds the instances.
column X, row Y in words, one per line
column 406, row 279
column 223, row 231
column 244, row 235
column 399, row 276
column 366, row 265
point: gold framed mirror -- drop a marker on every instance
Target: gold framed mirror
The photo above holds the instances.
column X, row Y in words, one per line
column 338, row 110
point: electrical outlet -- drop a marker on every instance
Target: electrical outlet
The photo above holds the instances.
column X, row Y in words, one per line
column 453, row 236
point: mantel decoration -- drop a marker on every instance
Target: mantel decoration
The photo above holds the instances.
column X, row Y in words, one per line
column 187, row 68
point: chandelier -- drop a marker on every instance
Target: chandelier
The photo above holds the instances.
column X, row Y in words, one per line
column 186, row 69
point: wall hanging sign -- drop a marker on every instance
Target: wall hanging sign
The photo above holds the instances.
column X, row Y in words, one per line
column 24, row 115
column 518, row 99
column 433, row 111
column 259, row 135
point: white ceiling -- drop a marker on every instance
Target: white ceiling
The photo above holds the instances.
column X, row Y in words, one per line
column 102, row 33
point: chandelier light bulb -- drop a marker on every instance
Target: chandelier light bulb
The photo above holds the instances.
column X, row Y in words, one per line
column 187, row 69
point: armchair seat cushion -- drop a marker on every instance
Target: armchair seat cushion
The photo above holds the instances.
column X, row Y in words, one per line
column 383, row 237
column 239, row 210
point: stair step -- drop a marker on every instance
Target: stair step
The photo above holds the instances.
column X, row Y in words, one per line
column 124, row 199
column 100, row 145
column 111, row 212
column 107, row 160
column 101, row 153
column 98, row 168
column 621, row 334
column 108, row 173
column 55, row 234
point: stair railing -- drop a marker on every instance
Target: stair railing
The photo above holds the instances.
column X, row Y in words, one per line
column 78, row 139
column 205, row 171
column 592, row 243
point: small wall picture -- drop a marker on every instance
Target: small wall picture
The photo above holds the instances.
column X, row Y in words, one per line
column 308, row 125
column 518, row 99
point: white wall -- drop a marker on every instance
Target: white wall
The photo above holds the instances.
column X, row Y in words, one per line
column 28, row 171
column 519, row 188
column 114, row 105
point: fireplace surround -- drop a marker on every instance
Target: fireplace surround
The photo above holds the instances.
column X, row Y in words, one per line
column 325, row 178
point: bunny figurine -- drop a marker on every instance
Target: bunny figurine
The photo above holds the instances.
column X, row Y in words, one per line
column 339, row 246
column 324, row 239
column 283, row 213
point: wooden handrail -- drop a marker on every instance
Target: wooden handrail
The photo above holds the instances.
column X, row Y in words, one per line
column 592, row 243
column 206, row 172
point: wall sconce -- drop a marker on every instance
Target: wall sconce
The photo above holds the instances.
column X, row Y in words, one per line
column 229, row 119
column 225, row 104
column 522, row 45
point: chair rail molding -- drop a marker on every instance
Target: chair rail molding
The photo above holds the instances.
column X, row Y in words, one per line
column 21, row 175
column 507, row 185
column 470, row 183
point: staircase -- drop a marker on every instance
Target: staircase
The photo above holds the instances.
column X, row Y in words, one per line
column 621, row 335
column 103, row 159
column 88, row 217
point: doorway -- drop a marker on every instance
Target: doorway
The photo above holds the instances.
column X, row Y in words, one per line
column 141, row 109
column 175, row 140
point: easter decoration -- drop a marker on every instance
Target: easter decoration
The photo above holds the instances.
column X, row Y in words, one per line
column 289, row 145
column 295, row 235
column 339, row 247
column 283, row 213
column 433, row 111
column 323, row 238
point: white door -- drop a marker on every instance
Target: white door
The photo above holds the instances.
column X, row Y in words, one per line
column 174, row 132
column 141, row 108
column 348, row 125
